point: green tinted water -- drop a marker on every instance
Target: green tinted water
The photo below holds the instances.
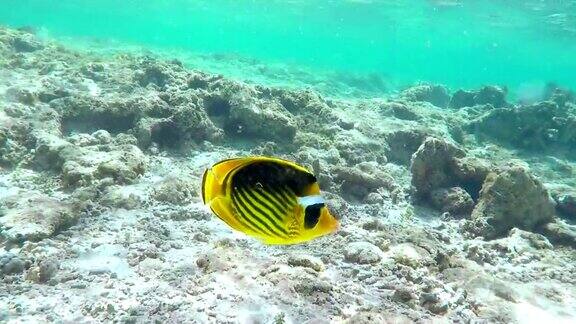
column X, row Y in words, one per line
column 458, row 43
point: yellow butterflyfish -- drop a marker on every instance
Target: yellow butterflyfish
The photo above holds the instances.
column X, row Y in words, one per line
column 274, row 200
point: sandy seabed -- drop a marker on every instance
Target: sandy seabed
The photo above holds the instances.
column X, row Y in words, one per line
column 455, row 206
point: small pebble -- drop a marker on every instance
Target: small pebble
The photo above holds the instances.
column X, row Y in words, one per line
column 306, row 261
column 362, row 253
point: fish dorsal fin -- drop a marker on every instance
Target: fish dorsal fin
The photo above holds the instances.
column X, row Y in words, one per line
column 225, row 168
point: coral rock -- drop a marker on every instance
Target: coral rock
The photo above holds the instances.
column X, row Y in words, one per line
column 433, row 165
column 488, row 95
column 542, row 126
column 25, row 42
column 455, row 201
column 512, row 198
column 402, row 144
column 434, row 94
column 462, row 98
column 399, row 110
column 492, row 95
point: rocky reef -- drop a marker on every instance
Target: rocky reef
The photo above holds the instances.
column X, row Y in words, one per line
column 456, row 206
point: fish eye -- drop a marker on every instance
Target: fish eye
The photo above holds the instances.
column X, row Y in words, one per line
column 312, row 215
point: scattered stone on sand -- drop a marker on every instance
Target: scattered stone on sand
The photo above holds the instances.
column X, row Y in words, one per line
column 511, row 198
column 34, row 217
column 366, row 318
column 215, row 261
column 11, row 264
column 518, row 247
column 306, row 261
column 566, row 204
column 409, row 255
column 115, row 197
column 43, row 271
column 364, row 178
column 177, row 191
column 559, row 232
column 362, row 253
column 301, row 282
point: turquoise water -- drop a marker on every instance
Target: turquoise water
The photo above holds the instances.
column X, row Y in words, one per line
column 458, row 43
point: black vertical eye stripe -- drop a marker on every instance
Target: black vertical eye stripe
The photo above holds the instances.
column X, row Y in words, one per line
column 246, row 220
column 312, row 215
column 244, row 201
column 268, row 209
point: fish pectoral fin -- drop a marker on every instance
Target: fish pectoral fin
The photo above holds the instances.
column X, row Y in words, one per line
column 219, row 206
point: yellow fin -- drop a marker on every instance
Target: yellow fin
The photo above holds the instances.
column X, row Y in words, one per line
column 213, row 180
column 280, row 161
column 221, row 207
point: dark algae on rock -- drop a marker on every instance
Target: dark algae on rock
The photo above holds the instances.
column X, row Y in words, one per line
column 455, row 205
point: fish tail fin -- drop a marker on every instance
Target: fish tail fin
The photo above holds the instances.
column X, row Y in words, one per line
column 210, row 187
